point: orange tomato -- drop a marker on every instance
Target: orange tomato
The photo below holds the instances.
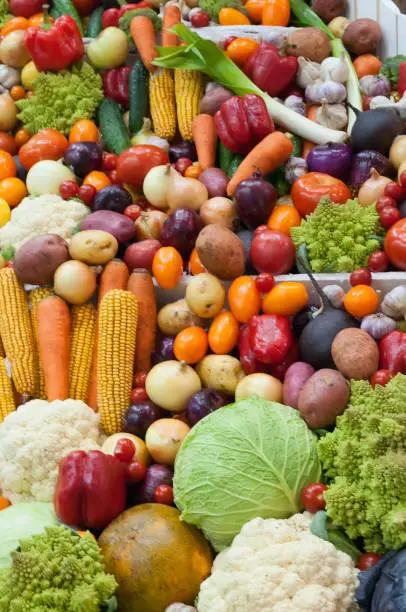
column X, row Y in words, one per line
column 361, row 301
column 286, row 299
column 98, row 179
column 276, row 13
column 84, row 131
column 17, row 23
column 167, row 267
column 13, row 190
column 195, row 265
column 244, row 298
column 283, row 218
column 193, row 171
column 241, row 49
column 7, row 143
column 4, row 503
column 190, row 345
column 46, row 144
column 230, row 16
column 8, row 167
column 21, row 137
column 254, row 9
column 83, row 533
column 223, row 333
column 38, row 19
column 308, row 190
column 17, row 92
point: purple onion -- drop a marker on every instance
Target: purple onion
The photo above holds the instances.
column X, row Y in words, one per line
column 156, row 475
column 184, row 148
column 363, row 162
column 163, row 351
column 139, row 417
column 83, row 157
column 332, row 158
column 255, row 199
column 180, row 230
column 203, row 403
column 113, row 198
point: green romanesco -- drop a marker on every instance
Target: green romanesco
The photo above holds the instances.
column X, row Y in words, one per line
column 213, row 7
column 61, row 99
column 56, row 570
column 365, row 458
column 338, row 237
column 4, row 12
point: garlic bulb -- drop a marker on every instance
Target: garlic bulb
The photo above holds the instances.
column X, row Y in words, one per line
column 375, row 85
column 296, row 104
column 378, row 325
column 308, row 72
column 394, row 303
column 335, row 295
column 295, row 167
column 329, row 91
column 333, row 116
column 144, row 134
column 334, row 69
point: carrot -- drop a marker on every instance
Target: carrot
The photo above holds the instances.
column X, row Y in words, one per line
column 366, row 65
column 143, row 34
column 308, row 145
column 205, row 138
column 141, row 285
column 53, row 322
column 273, row 151
column 172, row 16
column 114, row 276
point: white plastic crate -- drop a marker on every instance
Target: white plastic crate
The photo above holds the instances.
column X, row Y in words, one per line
column 389, row 17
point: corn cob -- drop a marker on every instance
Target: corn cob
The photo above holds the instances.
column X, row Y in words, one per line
column 117, row 321
column 2, row 353
column 7, row 403
column 16, row 333
column 162, row 103
column 81, row 351
column 35, row 297
column 188, row 93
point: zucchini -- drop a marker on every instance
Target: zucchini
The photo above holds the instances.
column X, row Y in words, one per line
column 66, row 7
column 138, row 95
column 225, row 158
column 235, row 162
column 297, row 146
column 112, row 126
column 94, row 27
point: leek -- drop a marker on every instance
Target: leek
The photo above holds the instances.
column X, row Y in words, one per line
column 307, row 17
column 204, row 55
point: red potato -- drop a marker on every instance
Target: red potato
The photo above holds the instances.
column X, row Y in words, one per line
column 215, row 180
column 355, row 353
column 141, row 254
column 120, row 226
column 296, row 377
column 323, row 398
column 35, row 261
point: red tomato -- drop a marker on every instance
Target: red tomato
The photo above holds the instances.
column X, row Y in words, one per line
column 46, row 144
column 110, row 18
column 164, row 494
column 68, row 190
column 87, row 194
column 85, row 7
column 140, row 378
column 383, row 201
column 265, row 282
column 312, row 497
column 139, row 395
column 109, row 161
column 368, row 560
column 378, row 261
column 388, row 216
column 395, row 191
column 310, row 188
column 362, row 276
column 381, row 377
column 272, row 252
column 133, row 211
column 25, row 8
column 124, row 450
column 134, row 164
column 135, row 471
column 395, row 244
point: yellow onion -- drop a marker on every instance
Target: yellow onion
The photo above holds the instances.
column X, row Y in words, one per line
column 373, row 188
column 75, row 282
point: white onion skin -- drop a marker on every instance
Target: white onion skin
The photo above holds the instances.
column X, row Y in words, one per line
column 164, row 439
column 75, row 282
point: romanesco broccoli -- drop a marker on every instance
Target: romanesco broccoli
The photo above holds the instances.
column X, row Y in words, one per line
column 56, row 570
column 365, row 456
column 338, row 237
column 61, row 99
column 213, row 7
column 4, row 12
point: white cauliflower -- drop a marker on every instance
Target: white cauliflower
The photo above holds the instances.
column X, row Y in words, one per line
column 33, row 440
column 47, row 214
column 278, row 565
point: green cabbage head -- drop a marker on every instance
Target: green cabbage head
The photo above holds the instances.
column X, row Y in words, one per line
column 249, row 459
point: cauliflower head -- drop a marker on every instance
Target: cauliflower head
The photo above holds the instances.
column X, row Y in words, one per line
column 33, row 440
column 47, row 214
column 277, row 565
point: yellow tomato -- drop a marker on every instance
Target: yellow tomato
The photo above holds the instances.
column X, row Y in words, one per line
column 5, row 212
column 29, row 74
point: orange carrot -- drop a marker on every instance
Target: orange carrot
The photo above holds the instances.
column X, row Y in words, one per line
column 172, row 16
column 307, row 144
column 367, row 65
column 143, row 34
column 53, row 322
column 141, row 285
column 273, row 151
column 205, row 138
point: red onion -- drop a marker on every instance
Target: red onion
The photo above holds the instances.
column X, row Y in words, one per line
column 332, row 158
column 363, row 163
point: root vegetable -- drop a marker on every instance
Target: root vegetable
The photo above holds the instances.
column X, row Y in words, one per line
column 75, row 282
column 205, row 295
column 324, row 396
column 175, row 317
column 355, row 354
column 362, row 36
column 221, row 252
column 37, row 259
column 179, row 378
column 263, row 385
column 94, row 247
column 329, row 9
column 220, row 211
column 296, row 377
column 215, row 180
column 184, row 192
column 140, row 454
column 164, row 439
column 8, row 113
column 220, row 372
column 310, row 43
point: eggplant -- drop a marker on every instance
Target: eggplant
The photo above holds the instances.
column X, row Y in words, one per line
column 363, row 163
column 318, row 335
column 331, row 158
column 376, row 129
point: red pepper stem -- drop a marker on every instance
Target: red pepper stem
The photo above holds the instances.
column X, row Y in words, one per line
column 45, row 11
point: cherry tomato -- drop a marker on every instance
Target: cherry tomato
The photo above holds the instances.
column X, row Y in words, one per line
column 200, row 19
column 140, row 378
column 378, row 261
column 164, row 494
column 17, row 92
column 87, row 194
column 110, row 18
column 195, row 265
column 21, row 137
column 228, row 41
column 84, row 131
column 7, row 143
column 182, row 164
column 134, row 164
column 8, row 167
column 395, row 244
column 135, row 471
column 272, row 252
column 223, row 333
column 388, row 216
column 308, row 189
column 368, row 560
column 139, row 395
column 109, row 161
column 402, row 179
column 283, row 218
column 395, row 191
column 312, row 497
column 193, row 171
column 114, row 178
column 98, row 179
column 124, row 450
column 361, row 301
column 190, row 345
column 383, row 201
column 46, row 144
column 68, row 190
column 244, row 298
column 286, row 299
column 133, row 211
column 362, row 276
column 260, row 230
column 381, row 377
column 264, row 282
column 167, row 267
column 241, row 49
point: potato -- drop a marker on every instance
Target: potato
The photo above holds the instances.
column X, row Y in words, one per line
column 175, row 317
column 94, row 247
column 120, row 226
column 355, row 353
column 362, row 36
column 296, row 377
column 37, row 259
column 221, row 372
column 213, row 99
column 311, row 43
column 329, row 9
column 205, row 295
column 263, row 385
column 323, row 398
column 221, row 252
column 338, row 26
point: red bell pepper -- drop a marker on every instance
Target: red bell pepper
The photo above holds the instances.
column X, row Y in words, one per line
column 241, row 123
column 392, row 351
column 116, row 85
column 269, row 70
column 280, row 370
column 271, row 338
column 56, row 46
column 402, row 79
column 249, row 362
column 91, row 489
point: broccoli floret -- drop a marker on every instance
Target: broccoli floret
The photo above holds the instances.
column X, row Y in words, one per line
column 339, row 237
column 56, row 570
column 62, row 99
column 213, row 7
column 365, row 458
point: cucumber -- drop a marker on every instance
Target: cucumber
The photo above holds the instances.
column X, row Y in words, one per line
column 235, row 162
column 54, row 13
column 138, row 95
column 112, row 126
column 277, row 178
column 66, row 7
column 94, row 27
column 225, row 158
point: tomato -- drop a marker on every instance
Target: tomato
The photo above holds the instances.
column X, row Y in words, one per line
column 228, row 41
column 378, row 261
column 223, row 333
column 285, row 299
column 195, row 265
column 133, row 211
column 167, row 267
column 200, row 19
column 264, row 282
column 388, row 216
column 368, row 560
column 8, row 167
column 124, row 450
column 241, row 49
column 182, row 164
column 138, row 395
column 85, row 7
column 283, row 218
column 190, row 345
column 25, row 8
column 135, row 471
column 384, row 201
column 381, row 377
column 21, row 137
column 395, row 191
column 17, row 23
column 7, row 143
column 164, row 494
column 362, row 276
column 244, row 298
column 84, row 131
column 46, row 144
column 111, row 18
column 13, row 190
column 276, row 13
column 254, row 9
column 402, row 179
column 193, row 171
column 17, row 92
column 140, row 378
column 134, row 164
column 68, row 190
column 361, row 301
column 87, row 194
column 312, row 497
column 109, row 161
column 308, row 189
column 230, row 16
column 4, row 503
column 272, row 252
column 99, row 180
column 395, row 244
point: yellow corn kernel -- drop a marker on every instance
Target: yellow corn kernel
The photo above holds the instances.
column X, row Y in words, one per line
column 162, row 103
column 35, row 297
column 189, row 91
column 117, row 329
column 83, row 331
column 7, row 403
column 16, row 333
column 2, row 353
